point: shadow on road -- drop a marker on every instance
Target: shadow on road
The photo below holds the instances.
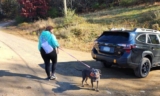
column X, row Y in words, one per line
column 65, row 86
column 7, row 73
column 155, row 68
column 68, row 69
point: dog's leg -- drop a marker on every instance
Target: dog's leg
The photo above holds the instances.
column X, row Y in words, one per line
column 86, row 80
column 92, row 84
column 83, row 81
column 97, row 89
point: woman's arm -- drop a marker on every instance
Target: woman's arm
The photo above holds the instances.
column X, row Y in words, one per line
column 55, row 43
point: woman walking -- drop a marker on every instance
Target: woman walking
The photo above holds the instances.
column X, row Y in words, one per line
column 48, row 47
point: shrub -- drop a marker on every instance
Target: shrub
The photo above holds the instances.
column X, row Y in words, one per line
column 155, row 14
column 95, row 5
column 9, row 8
column 150, row 16
column 76, row 32
column 69, row 18
column 19, row 19
column 72, row 18
column 103, row 5
column 64, row 34
column 127, row 2
column 156, row 26
column 53, row 12
column 33, row 9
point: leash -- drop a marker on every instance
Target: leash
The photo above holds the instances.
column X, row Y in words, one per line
column 75, row 58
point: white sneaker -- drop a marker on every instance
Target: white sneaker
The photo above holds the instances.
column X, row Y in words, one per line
column 53, row 77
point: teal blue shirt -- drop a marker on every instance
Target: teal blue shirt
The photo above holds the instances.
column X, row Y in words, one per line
column 46, row 35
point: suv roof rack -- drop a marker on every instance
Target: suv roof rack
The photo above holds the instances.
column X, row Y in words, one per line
column 121, row 29
column 145, row 30
column 116, row 29
column 135, row 30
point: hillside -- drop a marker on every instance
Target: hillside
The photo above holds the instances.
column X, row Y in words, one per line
column 79, row 31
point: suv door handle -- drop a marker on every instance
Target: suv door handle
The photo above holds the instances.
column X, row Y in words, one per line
column 152, row 48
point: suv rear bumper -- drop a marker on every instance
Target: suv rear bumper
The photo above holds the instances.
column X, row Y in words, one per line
column 123, row 62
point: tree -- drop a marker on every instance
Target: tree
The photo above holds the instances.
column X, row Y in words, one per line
column 8, row 8
column 65, row 7
column 34, row 9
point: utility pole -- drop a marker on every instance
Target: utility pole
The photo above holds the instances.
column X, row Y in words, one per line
column 65, row 7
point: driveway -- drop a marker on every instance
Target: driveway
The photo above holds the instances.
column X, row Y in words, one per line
column 22, row 74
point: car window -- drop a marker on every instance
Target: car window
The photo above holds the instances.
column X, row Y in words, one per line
column 114, row 37
column 148, row 40
column 154, row 39
column 159, row 36
column 142, row 38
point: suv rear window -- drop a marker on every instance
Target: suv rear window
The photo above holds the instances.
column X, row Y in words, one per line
column 114, row 37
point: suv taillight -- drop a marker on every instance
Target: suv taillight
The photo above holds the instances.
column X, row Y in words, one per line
column 127, row 47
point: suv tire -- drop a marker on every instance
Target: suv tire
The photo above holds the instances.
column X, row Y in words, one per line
column 106, row 64
column 143, row 69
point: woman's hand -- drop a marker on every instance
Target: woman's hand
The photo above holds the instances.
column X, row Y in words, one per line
column 57, row 50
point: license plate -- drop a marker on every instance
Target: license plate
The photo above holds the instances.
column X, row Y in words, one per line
column 107, row 49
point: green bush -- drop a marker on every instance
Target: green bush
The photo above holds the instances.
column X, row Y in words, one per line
column 9, row 8
column 69, row 18
column 72, row 19
column 156, row 26
column 127, row 2
column 155, row 14
column 76, row 32
column 103, row 6
column 95, row 5
column 53, row 12
column 19, row 19
column 152, row 16
column 63, row 34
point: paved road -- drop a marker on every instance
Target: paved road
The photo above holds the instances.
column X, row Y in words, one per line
column 22, row 69
column 22, row 74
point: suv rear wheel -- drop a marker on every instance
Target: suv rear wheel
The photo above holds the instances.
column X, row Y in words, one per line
column 143, row 69
column 106, row 64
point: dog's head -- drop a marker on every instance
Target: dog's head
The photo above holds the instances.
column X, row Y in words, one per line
column 95, row 74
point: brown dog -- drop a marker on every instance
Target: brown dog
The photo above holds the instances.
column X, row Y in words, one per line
column 93, row 74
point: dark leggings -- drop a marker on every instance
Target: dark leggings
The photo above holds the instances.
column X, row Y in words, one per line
column 47, row 57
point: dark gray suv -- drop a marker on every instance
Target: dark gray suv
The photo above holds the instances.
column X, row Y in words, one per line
column 138, row 49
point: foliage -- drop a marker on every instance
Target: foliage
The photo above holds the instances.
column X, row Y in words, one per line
column 69, row 18
column 72, row 18
column 150, row 16
column 127, row 2
column 77, row 32
column 33, row 9
column 19, row 19
column 155, row 14
column 95, row 5
column 63, row 33
column 53, row 12
column 156, row 26
column 9, row 8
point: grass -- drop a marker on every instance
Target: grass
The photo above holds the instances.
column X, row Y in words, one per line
column 79, row 31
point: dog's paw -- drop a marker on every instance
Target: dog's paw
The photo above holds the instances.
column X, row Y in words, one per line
column 97, row 90
column 87, row 84
column 93, row 89
column 82, row 85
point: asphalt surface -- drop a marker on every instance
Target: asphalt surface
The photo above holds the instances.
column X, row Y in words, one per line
column 22, row 69
column 22, row 73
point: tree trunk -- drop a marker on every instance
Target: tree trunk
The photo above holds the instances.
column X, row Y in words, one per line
column 65, row 7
